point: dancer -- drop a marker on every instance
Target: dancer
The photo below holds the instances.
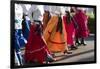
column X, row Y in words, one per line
column 54, row 33
column 82, row 32
column 46, row 16
column 25, row 22
column 19, row 40
column 36, row 49
column 26, row 26
column 70, row 27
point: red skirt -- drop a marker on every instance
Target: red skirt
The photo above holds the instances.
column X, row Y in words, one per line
column 35, row 50
column 70, row 31
column 82, row 21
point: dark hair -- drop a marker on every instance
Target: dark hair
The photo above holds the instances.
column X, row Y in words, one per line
column 38, row 29
column 23, row 23
column 49, row 15
column 59, row 25
column 68, row 19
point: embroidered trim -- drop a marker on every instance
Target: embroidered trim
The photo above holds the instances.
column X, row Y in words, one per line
column 57, row 42
column 36, row 50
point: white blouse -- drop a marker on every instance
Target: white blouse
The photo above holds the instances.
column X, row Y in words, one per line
column 36, row 13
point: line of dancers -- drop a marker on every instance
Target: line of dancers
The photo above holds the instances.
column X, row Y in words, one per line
column 41, row 34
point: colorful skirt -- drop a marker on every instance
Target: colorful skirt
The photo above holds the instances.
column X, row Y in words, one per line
column 36, row 49
column 55, row 40
column 82, row 21
column 70, row 31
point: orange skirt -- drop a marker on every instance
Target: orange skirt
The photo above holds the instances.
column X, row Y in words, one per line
column 45, row 20
column 51, row 24
column 56, row 41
